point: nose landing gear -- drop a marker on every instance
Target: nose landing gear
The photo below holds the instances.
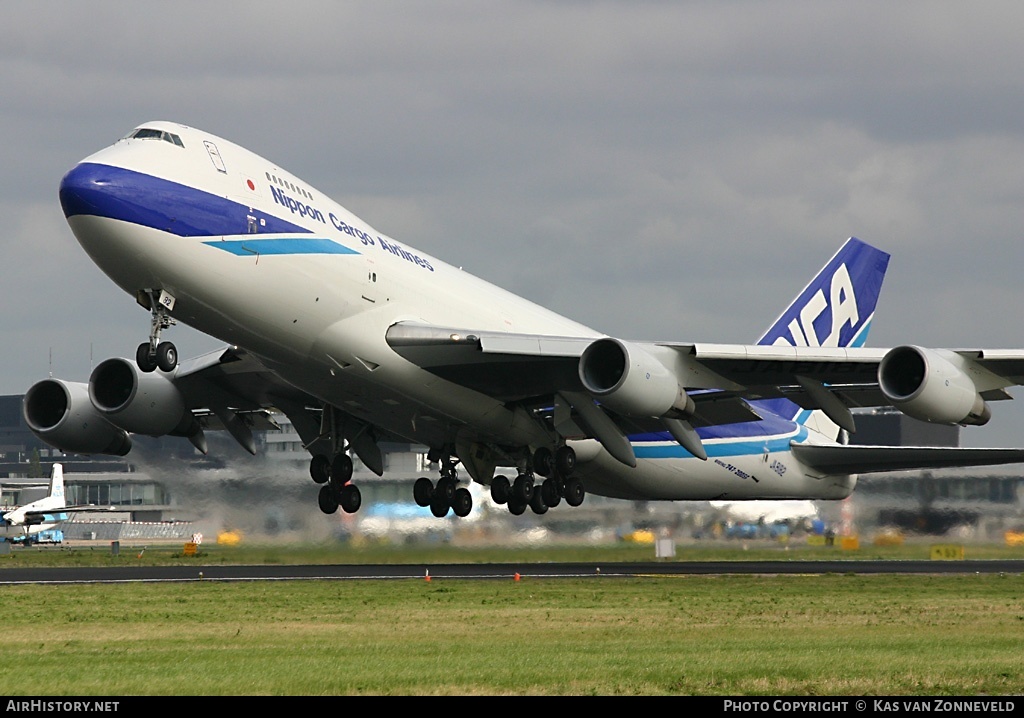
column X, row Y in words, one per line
column 154, row 354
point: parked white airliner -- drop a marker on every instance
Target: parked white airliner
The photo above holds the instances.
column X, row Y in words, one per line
column 42, row 514
column 359, row 338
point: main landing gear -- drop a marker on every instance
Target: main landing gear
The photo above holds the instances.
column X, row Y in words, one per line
column 337, row 489
column 156, row 354
column 447, row 494
column 560, row 484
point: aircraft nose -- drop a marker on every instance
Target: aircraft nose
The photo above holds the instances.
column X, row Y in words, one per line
column 84, row 189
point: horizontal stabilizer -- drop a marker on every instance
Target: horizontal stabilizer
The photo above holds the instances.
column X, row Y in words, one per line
column 866, row 459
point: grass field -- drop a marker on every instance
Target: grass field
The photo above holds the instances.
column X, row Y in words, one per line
column 728, row 635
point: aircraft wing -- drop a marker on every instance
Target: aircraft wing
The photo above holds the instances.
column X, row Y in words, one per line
column 232, row 378
column 520, row 367
column 232, row 390
column 725, row 377
column 775, row 365
column 45, row 516
column 515, row 366
column 91, row 509
column 915, row 380
column 509, row 367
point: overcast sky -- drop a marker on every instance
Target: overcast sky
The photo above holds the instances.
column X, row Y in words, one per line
column 657, row 170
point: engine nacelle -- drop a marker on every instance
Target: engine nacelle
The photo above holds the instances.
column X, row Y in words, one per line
column 137, row 401
column 60, row 413
column 627, row 379
column 928, row 385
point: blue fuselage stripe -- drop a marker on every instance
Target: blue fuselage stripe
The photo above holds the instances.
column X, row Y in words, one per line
column 648, row 450
column 117, row 193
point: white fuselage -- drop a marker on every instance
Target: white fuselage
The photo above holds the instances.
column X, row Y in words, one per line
column 210, row 222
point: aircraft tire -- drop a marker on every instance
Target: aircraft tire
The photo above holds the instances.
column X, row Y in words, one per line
column 501, row 489
column 320, row 469
column 351, row 498
column 549, row 490
column 516, row 507
column 166, row 356
column 522, row 488
column 574, row 492
column 565, row 460
column 462, row 504
column 423, row 491
column 145, row 361
column 341, row 469
column 439, row 505
column 446, row 486
column 537, row 503
column 327, row 499
column 543, row 461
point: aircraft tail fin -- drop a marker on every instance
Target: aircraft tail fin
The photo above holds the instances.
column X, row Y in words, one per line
column 836, row 308
column 57, row 483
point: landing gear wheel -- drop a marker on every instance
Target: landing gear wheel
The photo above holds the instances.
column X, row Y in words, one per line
column 522, row 488
column 327, row 499
column 549, row 491
column 565, row 460
column 145, row 360
column 574, row 491
column 422, row 491
column 166, row 356
column 516, row 507
column 537, row 503
column 543, row 461
column 439, row 505
column 462, row 503
column 501, row 489
column 320, row 469
column 351, row 499
column 446, row 487
column 341, row 469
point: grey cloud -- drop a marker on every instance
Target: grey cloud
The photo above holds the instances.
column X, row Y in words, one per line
column 656, row 170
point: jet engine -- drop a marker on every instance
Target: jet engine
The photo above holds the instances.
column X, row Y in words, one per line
column 139, row 402
column 60, row 413
column 928, row 385
column 627, row 379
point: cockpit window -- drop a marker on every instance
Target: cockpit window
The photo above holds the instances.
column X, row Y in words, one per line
column 146, row 133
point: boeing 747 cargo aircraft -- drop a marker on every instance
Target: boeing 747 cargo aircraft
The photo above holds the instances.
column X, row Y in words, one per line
column 360, row 338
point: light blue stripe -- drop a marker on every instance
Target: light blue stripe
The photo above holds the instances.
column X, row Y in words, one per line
column 862, row 336
column 287, row 245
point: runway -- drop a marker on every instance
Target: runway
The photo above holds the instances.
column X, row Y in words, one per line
column 494, row 571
